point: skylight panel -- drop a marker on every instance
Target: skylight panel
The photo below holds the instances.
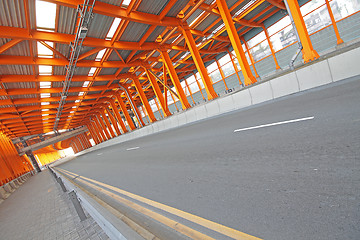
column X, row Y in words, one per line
column 45, row 70
column 77, row 101
column 113, row 28
column 45, row 84
column 45, row 103
column 92, row 71
column 45, row 109
column 44, row 51
column 81, row 93
column 86, row 84
column 44, row 95
column 45, row 15
column 100, row 55
column 196, row 18
column 126, row 3
column 44, row 115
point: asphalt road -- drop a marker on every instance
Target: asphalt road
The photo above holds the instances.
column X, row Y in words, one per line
column 298, row 180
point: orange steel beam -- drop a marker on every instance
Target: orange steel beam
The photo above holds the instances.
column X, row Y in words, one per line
column 158, row 93
column 279, row 4
column 100, row 127
column 21, row 33
column 199, row 63
column 102, row 124
column 113, row 121
column 120, row 12
column 118, row 117
column 339, row 40
column 53, row 50
column 144, row 100
column 308, row 51
column 98, row 130
column 60, row 78
column 9, row 45
column 109, row 127
column 175, row 80
column 93, row 134
column 124, row 110
column 235, row 41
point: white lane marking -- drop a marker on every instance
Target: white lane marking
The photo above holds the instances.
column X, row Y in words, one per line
column 99, row 154
column 274, row 124
column 132, row 148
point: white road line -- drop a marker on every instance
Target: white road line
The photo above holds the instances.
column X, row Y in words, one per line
column 132, row 148
column 274, row 124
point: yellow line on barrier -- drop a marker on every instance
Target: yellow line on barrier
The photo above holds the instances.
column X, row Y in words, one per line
column 230, row 232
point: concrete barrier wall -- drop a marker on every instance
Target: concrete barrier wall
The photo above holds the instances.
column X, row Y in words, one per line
column 319, row 73
column 10, row 187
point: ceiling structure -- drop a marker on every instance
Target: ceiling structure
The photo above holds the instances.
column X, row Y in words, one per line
column 126, row 46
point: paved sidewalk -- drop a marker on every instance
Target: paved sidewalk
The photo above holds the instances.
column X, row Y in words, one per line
column 39, row 209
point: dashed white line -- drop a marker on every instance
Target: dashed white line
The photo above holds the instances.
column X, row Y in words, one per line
column 274, row 124
column 129, row 149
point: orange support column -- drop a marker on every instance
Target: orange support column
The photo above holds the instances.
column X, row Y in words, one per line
column 158, row 92
column 144, row 99
column 271, row 47
column 85, row 141
column 125, row 112
column 100, row 128
column 235, row 42
column 95, row 130
column 103, row 127
column 250, row 56
column 308, row 51
column 109, row 127
column 199, row 63
column 118, row 117
column 94, row 136
column 113, row 121
column 175, row 79
column 339, row 40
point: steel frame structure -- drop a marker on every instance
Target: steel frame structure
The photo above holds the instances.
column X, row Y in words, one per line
column 178, row 38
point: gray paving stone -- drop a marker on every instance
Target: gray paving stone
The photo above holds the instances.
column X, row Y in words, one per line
column 40, row 210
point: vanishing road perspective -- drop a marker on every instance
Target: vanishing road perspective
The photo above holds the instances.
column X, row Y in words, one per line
column 167, row 119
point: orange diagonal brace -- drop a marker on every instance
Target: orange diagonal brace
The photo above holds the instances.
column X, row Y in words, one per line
column 175, row 79
column 308, row 51
column 144, row 99
column 199, row 63
column 235, row 41
column 158, row 93
column 8, row 45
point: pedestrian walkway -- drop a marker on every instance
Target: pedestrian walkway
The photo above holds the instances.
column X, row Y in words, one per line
column 39, row 209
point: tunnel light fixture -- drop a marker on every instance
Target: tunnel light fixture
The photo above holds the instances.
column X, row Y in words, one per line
column 45, row 103
column 81, row 93
column 76, row 101
column 44, row 115
column 45, row 109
